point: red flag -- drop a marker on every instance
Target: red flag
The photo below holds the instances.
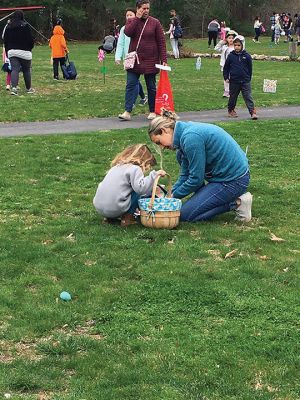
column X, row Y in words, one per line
column 164, row 95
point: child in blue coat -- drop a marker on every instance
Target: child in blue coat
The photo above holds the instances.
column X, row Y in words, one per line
column 238, row 72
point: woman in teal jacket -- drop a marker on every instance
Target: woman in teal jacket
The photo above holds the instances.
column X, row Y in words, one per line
column 122, row 51
column 214, row 169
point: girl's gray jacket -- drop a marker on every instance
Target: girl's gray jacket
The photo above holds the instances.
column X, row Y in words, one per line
column 113, row 196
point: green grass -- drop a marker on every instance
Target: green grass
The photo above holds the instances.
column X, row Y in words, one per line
column 264, row 47
column 155, row 314
column 89, row 97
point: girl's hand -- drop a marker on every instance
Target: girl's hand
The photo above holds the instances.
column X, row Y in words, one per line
column 118, row 62
column 161, row 172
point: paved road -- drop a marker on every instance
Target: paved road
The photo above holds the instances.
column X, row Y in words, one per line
column 105, row 124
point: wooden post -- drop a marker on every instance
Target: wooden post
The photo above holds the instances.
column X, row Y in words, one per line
column 293, row 51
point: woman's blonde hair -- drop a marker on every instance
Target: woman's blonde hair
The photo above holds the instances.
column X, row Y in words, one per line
column 138, row 154
column 166, row 120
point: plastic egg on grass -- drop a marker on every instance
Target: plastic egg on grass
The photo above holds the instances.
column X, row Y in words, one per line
column 65, row 296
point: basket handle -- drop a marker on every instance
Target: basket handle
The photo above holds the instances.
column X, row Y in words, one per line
column 169, row 187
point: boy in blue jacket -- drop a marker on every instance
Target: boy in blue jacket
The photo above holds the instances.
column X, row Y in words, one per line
column 238, row 72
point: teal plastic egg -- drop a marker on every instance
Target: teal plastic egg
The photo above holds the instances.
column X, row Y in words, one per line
column 65, row 296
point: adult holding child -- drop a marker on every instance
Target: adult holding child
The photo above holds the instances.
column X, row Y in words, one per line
column 18, row 42
column 147, row 38
column 214, row 169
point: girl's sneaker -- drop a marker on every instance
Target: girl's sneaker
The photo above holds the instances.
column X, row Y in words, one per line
column 30, row 91
column 143, row 101
column 14, row 91
column 7, row 87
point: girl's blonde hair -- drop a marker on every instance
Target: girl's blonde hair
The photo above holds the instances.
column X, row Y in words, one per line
column 138, row 154
column 166, row 120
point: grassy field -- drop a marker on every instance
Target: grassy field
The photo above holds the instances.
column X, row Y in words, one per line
column 154, row 314
column 89, row 97
column 264, row 47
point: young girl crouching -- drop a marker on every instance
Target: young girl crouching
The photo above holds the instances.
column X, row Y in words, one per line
column 118, row 194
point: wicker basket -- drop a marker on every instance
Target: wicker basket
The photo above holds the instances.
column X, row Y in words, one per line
column 153, row 217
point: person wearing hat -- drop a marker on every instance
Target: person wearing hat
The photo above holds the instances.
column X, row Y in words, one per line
column 225, row 47
column 238, row 73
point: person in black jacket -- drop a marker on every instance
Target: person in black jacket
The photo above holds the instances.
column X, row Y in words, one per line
column 238, row 72
column 18, row 42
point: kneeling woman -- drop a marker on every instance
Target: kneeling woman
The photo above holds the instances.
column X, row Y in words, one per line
column 213, row 168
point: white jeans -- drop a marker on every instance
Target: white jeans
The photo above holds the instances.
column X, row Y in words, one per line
column 174, row 44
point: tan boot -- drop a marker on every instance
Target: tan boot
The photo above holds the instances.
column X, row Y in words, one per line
column 253, row 114
column 128, row 219
column 232, row 114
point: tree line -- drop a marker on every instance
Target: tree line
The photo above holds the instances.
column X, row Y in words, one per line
column 90, row 19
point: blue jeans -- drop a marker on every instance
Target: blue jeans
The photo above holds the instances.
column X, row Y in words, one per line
column 141, row 90
column 214, row 199
column 134, row 203
column 132, row 92
column 257, row 33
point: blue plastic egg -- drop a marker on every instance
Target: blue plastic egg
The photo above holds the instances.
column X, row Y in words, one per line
column 65, row 296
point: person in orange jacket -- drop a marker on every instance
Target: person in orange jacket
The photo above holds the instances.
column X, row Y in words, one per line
column 59, row 48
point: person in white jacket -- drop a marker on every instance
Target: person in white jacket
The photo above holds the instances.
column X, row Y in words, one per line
column 226, row 47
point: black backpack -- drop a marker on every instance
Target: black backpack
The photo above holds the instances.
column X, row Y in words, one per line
column 177, row 32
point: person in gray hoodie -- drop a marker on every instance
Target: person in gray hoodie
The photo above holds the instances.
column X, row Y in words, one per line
column 118, row 194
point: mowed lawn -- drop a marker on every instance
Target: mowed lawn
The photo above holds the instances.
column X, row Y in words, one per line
column 206, row 311
column 264, row 47
column 89, row 96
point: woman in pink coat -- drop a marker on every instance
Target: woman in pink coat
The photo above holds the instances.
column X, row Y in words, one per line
column 152, row 50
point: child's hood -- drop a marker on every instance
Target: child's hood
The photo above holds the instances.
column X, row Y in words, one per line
column 58, row 30
column 241, row 39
